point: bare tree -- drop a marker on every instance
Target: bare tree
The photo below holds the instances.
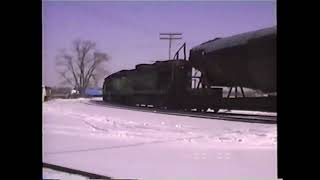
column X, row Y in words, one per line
column 83, row 67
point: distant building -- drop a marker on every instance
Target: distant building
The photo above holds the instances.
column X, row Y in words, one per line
column 43, row 93
column 74, row 93
column 93, row 92
column 46, row 93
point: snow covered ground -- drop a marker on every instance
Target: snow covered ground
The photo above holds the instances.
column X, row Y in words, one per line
column 132, row 144
column 246, row 112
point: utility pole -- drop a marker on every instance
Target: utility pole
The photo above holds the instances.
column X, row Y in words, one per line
column 170, row 37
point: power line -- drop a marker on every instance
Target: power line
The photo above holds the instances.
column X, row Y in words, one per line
column 170, row 37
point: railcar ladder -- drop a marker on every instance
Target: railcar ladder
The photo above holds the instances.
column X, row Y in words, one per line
column 176, row 55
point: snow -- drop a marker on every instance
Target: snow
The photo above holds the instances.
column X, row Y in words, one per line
column 245, row 112
column 235, row 40
column 124, row 143
column 52, row 174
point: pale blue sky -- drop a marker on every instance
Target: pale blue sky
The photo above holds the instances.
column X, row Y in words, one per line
column 129, row 31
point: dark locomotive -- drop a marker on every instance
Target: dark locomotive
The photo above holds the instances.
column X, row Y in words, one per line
column 246, row 60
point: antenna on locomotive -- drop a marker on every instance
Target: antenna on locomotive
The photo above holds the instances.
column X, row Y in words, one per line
column 170, row 37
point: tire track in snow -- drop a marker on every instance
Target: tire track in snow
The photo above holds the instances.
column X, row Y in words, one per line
column 125, row 146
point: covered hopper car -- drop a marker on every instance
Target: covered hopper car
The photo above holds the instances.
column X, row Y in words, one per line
column 246, row 60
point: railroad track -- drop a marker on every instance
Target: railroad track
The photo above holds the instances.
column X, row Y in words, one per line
column 74, row 171
column 209, row 115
